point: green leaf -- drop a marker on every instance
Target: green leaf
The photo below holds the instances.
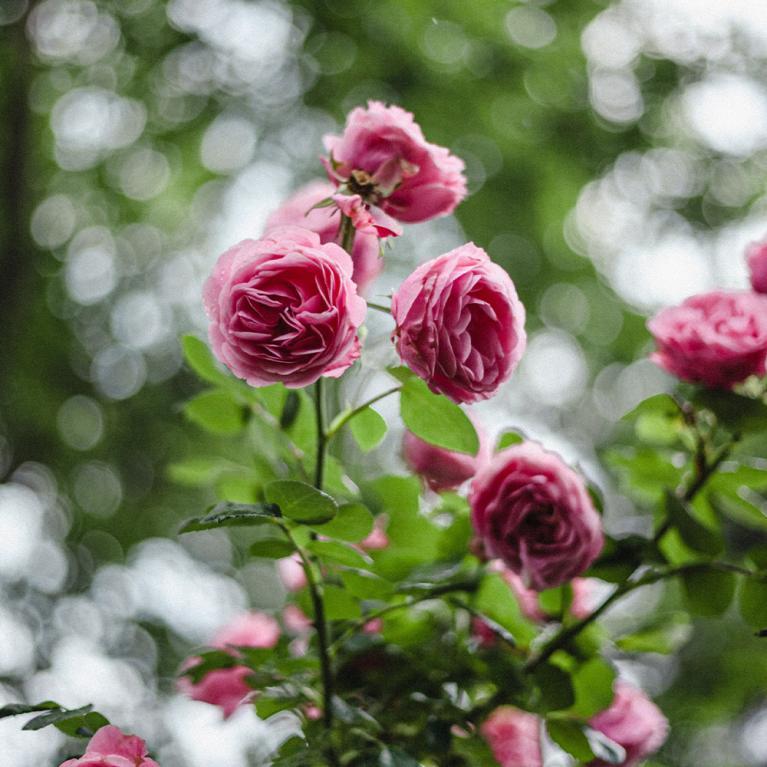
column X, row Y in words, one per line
column 593, row 684
column 401, row 373
column 555, row 687
column 216, row 412
column 495, row 600
column 272, row 548
column 509, row 438
column 658, row 420
column 301, row 502
column 708, row 593
column 352, row 523
column 339, row 553
column 693, row 532
column 290, row 410
column 57, row 717
column 82, row 726
column 557, row 600
column 436, row 419
column 16, row 709
column 233, row 515
column 202, row 471
column 570, row 737
column 395, row 757
column 368, row 429
column 201, row 360
column 365, row 585
column 753, row 602
column 664, row 638
column 340, row 604
column 619, row 558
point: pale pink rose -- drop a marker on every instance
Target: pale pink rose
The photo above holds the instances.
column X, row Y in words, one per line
column 299, row 210
column 109, row 747
column 292, row 572
column 383, row 156
column 374, row 626
column 459, row 324
column 296, row 620
column 632, row 721
column 717, row 339
column 377, row 538
column 534, row 513
column 284, row 309
column 444, row 469
column 756, row 255
column 228, row 687
column 366, row 219
column 514, row 737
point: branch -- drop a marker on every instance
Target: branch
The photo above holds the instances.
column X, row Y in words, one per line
column 343, row 418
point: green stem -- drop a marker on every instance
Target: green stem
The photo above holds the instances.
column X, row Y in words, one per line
column 319, row 411
column 343, row 418
column 567, row 633
column 348, row 233
column 379, row 307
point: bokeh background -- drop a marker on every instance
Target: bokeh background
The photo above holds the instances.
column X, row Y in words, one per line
column 616, row 155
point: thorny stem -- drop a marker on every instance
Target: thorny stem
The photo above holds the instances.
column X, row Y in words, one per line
column 567, row 633
column 343, row 418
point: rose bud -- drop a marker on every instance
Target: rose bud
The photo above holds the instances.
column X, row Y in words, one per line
column 443, row 469
column 284, row 309
column 535, row 514
column 228, row 687
column 634, row 722
column 299, row 210
column 756, row 256
column 460, row 324
column 514, row 737
column 717, row 339
column 109, row 747
column 383, row 156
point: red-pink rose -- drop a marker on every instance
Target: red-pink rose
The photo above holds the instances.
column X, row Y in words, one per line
column 444, row 469
column 228, row 687
column 534, row 513
column 514, row 737
column 717, row 339
column 756, row 255
column 459, row 324
column 383, row 156
column 284, row 309
column 110, row 747
column 299, row 210
column 634, row 722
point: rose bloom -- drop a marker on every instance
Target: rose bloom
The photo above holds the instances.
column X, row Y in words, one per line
column 109, row 747
column 443, row 469
column 297, row 210
column 284, row 309
column 514, row 737
column 632, row 721
column 383, row 156
column 756, row 256
column 534, row 513
column 228, row 687
column 460, row 324
column 717, row 339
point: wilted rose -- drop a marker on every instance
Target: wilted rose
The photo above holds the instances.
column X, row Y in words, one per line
column 634, row 722
column 534, row 513
column 284, row 309
column 717, row 339
column 299, row 210
column 383, row 156
column 110, row 747
column 459, row 324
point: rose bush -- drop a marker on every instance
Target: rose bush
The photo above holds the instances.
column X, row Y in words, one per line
column 383, row 156
column 718, row 339
column 284, row 309
column 460, row 324
column 534, row 512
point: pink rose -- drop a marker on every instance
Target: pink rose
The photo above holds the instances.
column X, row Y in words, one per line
column 297, row 210
column 459, row 324
column 383, row 156
column 632, row 721
column 377, row 538
column 292, row 572
column 366, row 219
column 228, row 687
column 756, row 255
column 514, row 737
column 533, row 512
column 582, row 602
column 109, row 747
column 717, row 339
column 284, row 309
column 443, row 469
